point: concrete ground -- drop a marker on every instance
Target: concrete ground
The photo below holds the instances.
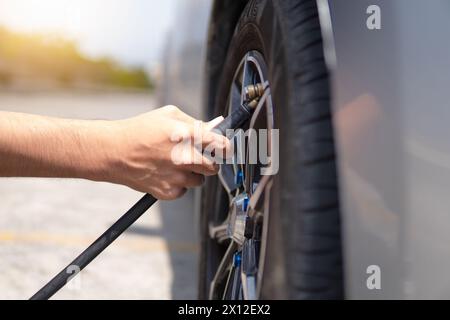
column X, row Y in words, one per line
column 45, row 223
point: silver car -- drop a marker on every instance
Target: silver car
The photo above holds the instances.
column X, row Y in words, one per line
column 359, row 91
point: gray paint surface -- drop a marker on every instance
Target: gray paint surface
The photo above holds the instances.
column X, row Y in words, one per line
column 184, row 57
column 391, row 111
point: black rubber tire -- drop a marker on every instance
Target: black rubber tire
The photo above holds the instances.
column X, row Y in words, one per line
column 304, row 256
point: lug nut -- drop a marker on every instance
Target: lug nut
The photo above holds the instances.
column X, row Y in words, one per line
column 239, row 178
column 237, row 259
column 245, row 204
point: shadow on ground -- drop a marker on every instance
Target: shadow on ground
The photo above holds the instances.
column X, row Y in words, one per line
column 179, row 231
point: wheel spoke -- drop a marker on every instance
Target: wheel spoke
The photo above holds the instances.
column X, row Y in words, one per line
column 221, row 272
column 235, row 94
column 255, row 202
column 233, row 285
column 247, row 77
column 249, row 270
column 220, row 232
column 265, row 230
column 227, row 178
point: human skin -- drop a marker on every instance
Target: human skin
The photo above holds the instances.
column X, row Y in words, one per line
column 134, row 152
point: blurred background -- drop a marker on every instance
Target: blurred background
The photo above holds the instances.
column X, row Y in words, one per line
column 98, row 59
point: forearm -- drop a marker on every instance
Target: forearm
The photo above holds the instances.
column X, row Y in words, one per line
column 135, row 152
column 37, row 146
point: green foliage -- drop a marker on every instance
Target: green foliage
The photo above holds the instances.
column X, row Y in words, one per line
column 39, row 58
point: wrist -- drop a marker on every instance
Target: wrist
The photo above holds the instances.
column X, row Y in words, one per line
column 104, row 159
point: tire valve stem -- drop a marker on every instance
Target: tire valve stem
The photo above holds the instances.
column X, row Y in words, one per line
column 237, row 258
column 238, row 117
column 253, row 91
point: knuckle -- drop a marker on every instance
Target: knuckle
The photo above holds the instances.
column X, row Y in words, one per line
column 174, row 109
column 211, row 169
column 171, row 109
column 171, row 192
column 177, row 192
column 158, row 194
column 180, row 179
column 216, row 168
column 165, row 195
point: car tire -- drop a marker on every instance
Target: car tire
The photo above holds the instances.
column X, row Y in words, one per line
column 303, row 255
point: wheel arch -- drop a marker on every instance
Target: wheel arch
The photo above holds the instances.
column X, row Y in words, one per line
column 223, row 20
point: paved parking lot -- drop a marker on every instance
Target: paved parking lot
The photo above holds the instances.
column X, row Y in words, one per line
column 45, row 223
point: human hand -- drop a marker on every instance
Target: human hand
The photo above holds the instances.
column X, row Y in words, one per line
column 142, row 154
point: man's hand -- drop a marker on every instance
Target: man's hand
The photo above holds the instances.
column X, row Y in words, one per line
column 144, row 157
column 136, row 152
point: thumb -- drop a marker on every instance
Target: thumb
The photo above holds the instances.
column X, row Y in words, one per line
column 211, row 124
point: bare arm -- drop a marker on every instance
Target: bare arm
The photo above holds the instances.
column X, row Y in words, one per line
column 37, row 146
column 135, row 152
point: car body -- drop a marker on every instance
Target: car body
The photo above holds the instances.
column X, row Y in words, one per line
column 390, row 104
column 183, row 57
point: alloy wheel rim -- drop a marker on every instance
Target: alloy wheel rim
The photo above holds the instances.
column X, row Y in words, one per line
column 244, row 227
